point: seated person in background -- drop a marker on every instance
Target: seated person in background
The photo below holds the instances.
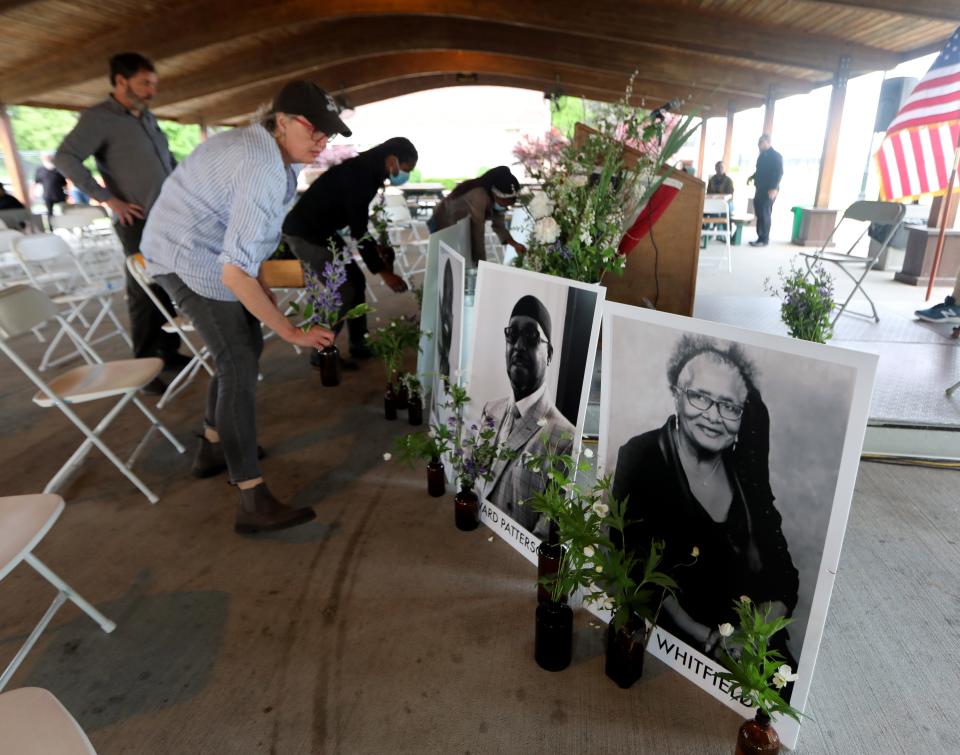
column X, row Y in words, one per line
column 720, row 182
column 517, row 417
column 341, row 198
column 481, row 199
column 8, row 201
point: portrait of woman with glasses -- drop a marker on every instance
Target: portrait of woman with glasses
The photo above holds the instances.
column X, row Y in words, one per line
column 701, row 483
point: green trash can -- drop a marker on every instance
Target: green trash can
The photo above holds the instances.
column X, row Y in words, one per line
column 797, row 220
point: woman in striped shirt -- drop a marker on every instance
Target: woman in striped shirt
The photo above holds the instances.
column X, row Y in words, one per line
column 217, row 219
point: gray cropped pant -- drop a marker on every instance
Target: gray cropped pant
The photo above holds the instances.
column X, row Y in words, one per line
column 235, row 342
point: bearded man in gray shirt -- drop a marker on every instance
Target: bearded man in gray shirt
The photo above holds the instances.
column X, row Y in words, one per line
column 133, row 157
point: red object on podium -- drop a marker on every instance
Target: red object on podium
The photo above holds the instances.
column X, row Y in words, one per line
column 649, row 214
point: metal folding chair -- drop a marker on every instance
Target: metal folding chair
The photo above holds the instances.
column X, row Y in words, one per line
column 883, row 213
column 50, row 266
column 175, row 324
column 716, row 225
column 23, row 308
column 24, row 522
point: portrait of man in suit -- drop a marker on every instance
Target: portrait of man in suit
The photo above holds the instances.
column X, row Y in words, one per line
column 528, row 421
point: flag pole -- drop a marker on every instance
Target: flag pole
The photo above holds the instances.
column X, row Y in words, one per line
column 945, row 211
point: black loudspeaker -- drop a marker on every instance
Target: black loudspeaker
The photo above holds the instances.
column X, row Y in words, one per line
column 893, row 94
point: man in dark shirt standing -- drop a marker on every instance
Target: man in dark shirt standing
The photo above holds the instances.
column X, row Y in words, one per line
column 341, row 198
column 767, row 181
column 51, row 182
column 134, row 159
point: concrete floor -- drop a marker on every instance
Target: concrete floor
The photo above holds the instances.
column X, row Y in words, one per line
column 381, row 628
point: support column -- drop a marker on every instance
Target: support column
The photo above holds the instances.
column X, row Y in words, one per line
column 11, row 157
column 203, row 130
column 831, row 137
column 768, row 109
column 703, row 146
column 728, row 139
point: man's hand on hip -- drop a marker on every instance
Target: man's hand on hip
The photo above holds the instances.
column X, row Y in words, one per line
column 126, row 212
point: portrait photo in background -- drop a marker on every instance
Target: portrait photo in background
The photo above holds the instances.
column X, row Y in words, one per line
column 533, row 346
column 448, row 337
column 457, row 237
column 743, row 448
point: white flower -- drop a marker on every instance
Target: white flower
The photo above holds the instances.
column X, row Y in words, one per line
column 744, row 598
column 585, row 236
column 695, row 552
column 387, row 457
column 600, row 508
column 578, row 181
column 542, row 422
column 783, row 676
column 588, row 453
column 726, row 629
column 588, row 551
column 546, row 230
column 540, row 206
column 598, row 569
column 608, row 604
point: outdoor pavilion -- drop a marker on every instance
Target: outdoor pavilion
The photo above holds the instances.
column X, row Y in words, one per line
column 378, row 627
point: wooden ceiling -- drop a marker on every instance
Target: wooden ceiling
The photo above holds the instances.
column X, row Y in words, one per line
column 219, row 59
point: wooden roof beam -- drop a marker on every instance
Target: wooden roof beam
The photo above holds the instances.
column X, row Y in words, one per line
column 169, row 32
column 379, row 68
column 944, row 10
column 353, row 39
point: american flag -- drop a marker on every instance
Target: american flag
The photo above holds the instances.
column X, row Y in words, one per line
column 918, row 152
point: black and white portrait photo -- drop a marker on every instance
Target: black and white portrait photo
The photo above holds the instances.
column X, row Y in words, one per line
column 533, row 346
column 449, row 329
column 737, row 450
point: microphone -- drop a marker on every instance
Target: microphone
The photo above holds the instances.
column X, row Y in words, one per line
column 659, row 113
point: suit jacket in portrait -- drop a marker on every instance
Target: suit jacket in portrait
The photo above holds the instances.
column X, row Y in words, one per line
column 512, row 480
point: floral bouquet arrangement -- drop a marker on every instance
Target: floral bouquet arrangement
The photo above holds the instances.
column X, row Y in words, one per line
column 391, row 341
column 592, row 193
column 471, row 451
column 756, row 672
column 541, row 157
column 630, row 586
column 576, row 514
column 807, row 302
column 324, row 299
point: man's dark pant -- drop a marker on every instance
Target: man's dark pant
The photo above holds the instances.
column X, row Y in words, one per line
column 146, row 321
column 763, row 207
column 235, row 341
column 354, row 291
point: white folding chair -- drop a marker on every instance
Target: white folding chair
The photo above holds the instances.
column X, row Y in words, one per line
column 50, row 266
column 178, row 324
column 34, row 722
column 90, row 234
column 24, row 522
column 889, row 214
column 11, row 270
column 716, row 225
column 23, row 308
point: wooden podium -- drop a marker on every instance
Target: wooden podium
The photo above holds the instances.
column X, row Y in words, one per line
column 669, row 253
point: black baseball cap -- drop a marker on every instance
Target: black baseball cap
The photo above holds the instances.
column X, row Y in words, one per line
column 307, row 99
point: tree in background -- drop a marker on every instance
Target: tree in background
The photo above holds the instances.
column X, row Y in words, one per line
column 39, row 130
column 183, row 137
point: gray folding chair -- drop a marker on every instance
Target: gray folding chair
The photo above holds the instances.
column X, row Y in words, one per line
column 22, row 309
column 889, row 214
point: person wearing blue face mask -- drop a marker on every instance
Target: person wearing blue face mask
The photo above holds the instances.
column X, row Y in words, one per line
column 487, row 197
column 341, row 198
